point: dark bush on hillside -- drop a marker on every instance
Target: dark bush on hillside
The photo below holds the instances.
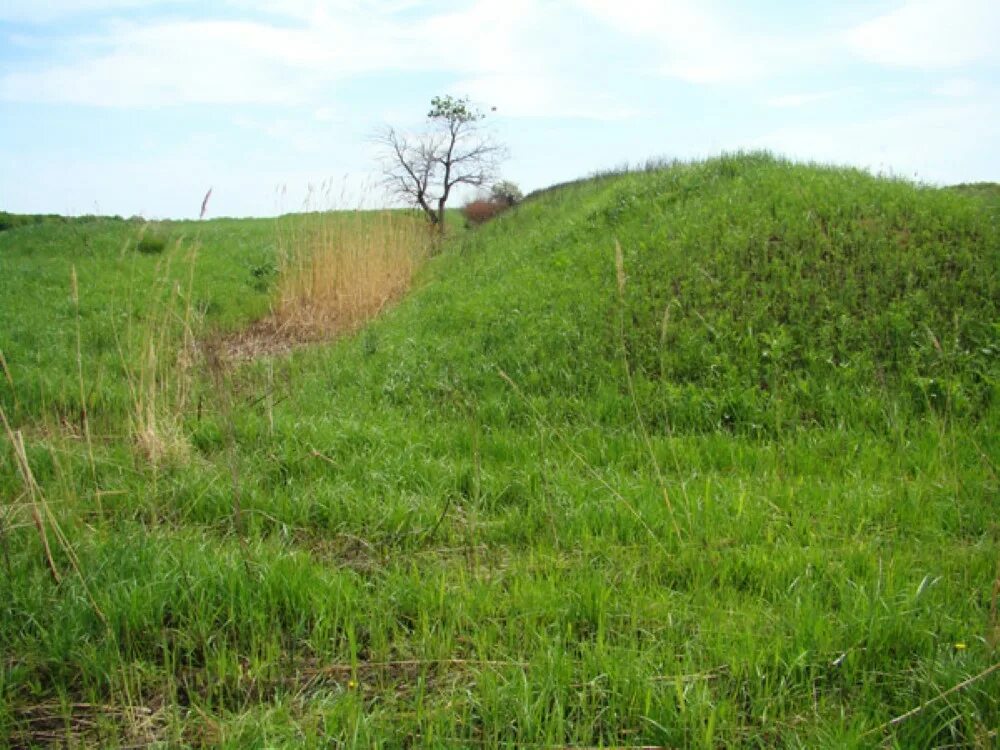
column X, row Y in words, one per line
column 7, row 221
column 151, row 244
column 480, row 211
column 13, row 221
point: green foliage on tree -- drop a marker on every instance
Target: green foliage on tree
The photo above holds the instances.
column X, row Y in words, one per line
column 506, row 192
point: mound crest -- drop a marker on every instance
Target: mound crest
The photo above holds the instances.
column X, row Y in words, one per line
column 758, row 295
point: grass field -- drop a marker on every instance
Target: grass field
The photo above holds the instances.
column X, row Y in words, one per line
column 699, row 456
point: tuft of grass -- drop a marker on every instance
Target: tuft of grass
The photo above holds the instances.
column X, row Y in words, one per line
column 158, row 360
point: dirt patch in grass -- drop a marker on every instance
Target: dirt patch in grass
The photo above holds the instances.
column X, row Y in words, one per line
column 268, row 337
column 58, row 724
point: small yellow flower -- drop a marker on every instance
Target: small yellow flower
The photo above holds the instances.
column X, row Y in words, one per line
column 960, row 647
column 351, row 684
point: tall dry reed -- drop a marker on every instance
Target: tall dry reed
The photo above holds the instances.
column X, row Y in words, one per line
column 338, row 270
column 158, row 359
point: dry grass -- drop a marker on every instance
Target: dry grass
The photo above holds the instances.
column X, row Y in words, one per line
column 158, row 406
column 339, row 270
column 159, row 363
column 62, row 724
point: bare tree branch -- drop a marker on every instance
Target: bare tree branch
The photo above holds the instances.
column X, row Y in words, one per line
column 454, row 150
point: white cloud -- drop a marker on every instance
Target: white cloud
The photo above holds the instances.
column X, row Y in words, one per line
column 162, row 63
column 329, row 114
column 495, row 48
column 44, row 11
column 938, row 142
column 931, row 34
column 800, row 100
column 695, row 43
column 480, row 38
column 692, row 43
column 957, row 88
column 527, row 95
column 175, row 63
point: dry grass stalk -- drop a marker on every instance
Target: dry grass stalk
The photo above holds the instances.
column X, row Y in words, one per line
column 6, row 370
column 56, row 724
column 620, row 273
column 339, row 270
column 159, row 370
column 84, row 416
column 33, row 492
column 940, row 696
column 155, row 426
column 224, row 391
column 42, row 513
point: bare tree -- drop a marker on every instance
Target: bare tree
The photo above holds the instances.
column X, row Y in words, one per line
column 454, row 149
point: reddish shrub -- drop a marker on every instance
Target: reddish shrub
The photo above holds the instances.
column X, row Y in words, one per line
column 480, row 211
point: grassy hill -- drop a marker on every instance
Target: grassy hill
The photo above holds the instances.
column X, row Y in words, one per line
column 987, row 191
column 699, row 456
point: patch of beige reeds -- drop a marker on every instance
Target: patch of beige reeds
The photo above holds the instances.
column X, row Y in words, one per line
column 338, row 270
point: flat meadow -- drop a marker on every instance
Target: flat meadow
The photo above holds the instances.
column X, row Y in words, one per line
column 699, row 455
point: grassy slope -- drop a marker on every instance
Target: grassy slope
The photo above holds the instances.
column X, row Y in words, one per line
column 987, row 191
column 426, row 553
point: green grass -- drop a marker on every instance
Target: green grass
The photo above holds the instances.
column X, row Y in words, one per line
column 122, row 292
column 987, row 191
column 746, row 499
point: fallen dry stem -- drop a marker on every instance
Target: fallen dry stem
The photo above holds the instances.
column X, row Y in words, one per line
column 54, row 723
column 6, row 370
column 940, row 696
column 33, row 492
column 40, row 507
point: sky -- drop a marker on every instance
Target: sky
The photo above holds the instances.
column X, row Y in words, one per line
column 138, row 107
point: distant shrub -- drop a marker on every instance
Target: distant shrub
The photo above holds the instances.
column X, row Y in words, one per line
column 480, row 211
column 151, row 244
column 262, row 274
column 506, row 192
column 14, row 221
